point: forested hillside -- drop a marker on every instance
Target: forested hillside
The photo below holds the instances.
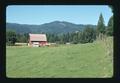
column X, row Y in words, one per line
column 58, row 27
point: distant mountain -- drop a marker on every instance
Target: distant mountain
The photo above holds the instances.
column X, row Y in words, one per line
column 58, row 27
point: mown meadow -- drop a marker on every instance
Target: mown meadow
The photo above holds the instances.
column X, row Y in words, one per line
column 90, row 60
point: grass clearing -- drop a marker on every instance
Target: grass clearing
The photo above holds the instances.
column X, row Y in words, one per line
column 80, row 60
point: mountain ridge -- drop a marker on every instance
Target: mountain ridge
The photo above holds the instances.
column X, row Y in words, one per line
column 57, row 27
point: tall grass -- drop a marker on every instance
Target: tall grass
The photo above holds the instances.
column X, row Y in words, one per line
column 107, row 43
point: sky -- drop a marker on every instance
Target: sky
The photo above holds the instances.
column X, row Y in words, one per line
column 40, row 14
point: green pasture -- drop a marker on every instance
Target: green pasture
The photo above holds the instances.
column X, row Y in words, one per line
column 63, row 61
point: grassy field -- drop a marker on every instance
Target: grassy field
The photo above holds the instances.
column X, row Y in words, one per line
column 73, row 61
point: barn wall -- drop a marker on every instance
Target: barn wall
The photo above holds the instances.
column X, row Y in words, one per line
column 43, row 43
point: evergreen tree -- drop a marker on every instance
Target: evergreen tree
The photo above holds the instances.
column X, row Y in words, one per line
column 88, row 35
column 26, row 37
column 100, row 25
column 109, row 30
column 75, row 39
column 18, row 37
column 79, row 37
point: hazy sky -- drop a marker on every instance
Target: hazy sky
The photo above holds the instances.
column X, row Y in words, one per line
column 39, row 14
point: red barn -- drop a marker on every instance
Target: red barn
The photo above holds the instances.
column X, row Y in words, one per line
column 37, row 40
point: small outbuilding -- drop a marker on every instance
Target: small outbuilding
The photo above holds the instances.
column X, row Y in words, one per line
column 37, row 40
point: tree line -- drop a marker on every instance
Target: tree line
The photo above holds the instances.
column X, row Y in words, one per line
column 88, row 35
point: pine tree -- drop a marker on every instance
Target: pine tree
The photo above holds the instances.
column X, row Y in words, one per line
column 88, row 35
column 109, row 30
column 100, row 25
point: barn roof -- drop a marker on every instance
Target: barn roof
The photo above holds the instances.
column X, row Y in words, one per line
column 37, row 37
